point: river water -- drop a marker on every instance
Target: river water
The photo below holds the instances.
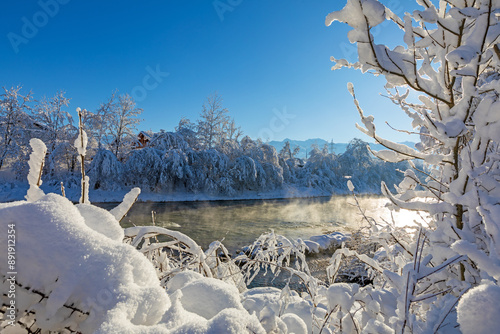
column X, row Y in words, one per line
column 239, row 223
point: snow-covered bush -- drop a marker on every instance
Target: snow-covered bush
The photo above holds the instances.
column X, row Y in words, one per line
column 105, row 171
column 165, row 141
column 450, row 60
column 175, row 171
column 144, row 168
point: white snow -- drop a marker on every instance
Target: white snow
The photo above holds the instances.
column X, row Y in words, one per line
column 128, row 200
column 198, row 294
column 74, row 273
column 36, row 161
column 325, row 241
column 350, row 186
column 74, row 255
column 59, row 255
column 81, row 143
column 478, row 311
column 101, row 221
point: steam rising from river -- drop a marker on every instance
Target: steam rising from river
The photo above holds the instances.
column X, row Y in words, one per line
column 240, row 222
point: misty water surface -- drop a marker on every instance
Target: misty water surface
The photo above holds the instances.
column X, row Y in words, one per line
column 239, row 223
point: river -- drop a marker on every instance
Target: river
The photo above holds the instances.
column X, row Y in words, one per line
column 239, row 223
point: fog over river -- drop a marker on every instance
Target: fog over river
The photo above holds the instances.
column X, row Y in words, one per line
column 239, row 223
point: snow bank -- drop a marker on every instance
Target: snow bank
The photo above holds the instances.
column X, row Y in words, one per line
column 216, row 294
column 101, row 221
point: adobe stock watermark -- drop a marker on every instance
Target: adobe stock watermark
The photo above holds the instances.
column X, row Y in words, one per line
column 223, row 6
column 277, row 123
column 105, row 298
column 31, row 26
column 150, row 82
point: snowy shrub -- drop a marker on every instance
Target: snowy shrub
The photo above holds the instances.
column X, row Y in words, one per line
column 244, row 173
column 169, row 251
column 144, row 168
column 105, row 171
column 208, row 167
column 175, row 170
column 273, row 176
column 165, row 141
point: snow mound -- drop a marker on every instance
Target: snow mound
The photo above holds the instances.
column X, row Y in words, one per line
column 209, row 296
column 77, row 267
column 267, row 304
column 478, row 310
column 101, row 220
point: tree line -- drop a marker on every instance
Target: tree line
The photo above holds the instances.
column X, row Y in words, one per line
column 208, row 156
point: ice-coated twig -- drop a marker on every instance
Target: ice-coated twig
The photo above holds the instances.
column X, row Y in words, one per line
column 81, row 146
column 128, row 200
column 37, row 158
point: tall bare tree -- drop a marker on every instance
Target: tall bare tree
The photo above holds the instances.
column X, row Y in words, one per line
column 98, row 122
column 213, row 123
column 123, row 125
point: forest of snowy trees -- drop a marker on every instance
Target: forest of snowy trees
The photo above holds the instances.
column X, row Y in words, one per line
column 209, row 156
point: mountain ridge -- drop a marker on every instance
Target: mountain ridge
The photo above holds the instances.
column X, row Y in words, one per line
column 337, row 148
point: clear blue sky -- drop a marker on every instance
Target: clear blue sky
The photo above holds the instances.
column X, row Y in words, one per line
column 261, row 56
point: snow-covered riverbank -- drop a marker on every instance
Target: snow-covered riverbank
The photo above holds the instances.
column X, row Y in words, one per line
column 15, row 191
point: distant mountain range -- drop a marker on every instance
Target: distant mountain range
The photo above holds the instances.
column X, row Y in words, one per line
column 306, row 145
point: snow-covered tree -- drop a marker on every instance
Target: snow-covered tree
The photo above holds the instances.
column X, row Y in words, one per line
column 105, row 171
column 286, row 151
column 213, row 123
column 450, row 59
column 165, row 141
column 176, row 171
column 98, row 122
column 57, row 123
column 209, row 168
column 14, row 123
column 233, row 131
column 188, row 130
column 123, row 125
column 56, row 129
column 144, row 168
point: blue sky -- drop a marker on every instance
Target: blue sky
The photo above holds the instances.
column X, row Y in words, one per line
column 269, row 60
